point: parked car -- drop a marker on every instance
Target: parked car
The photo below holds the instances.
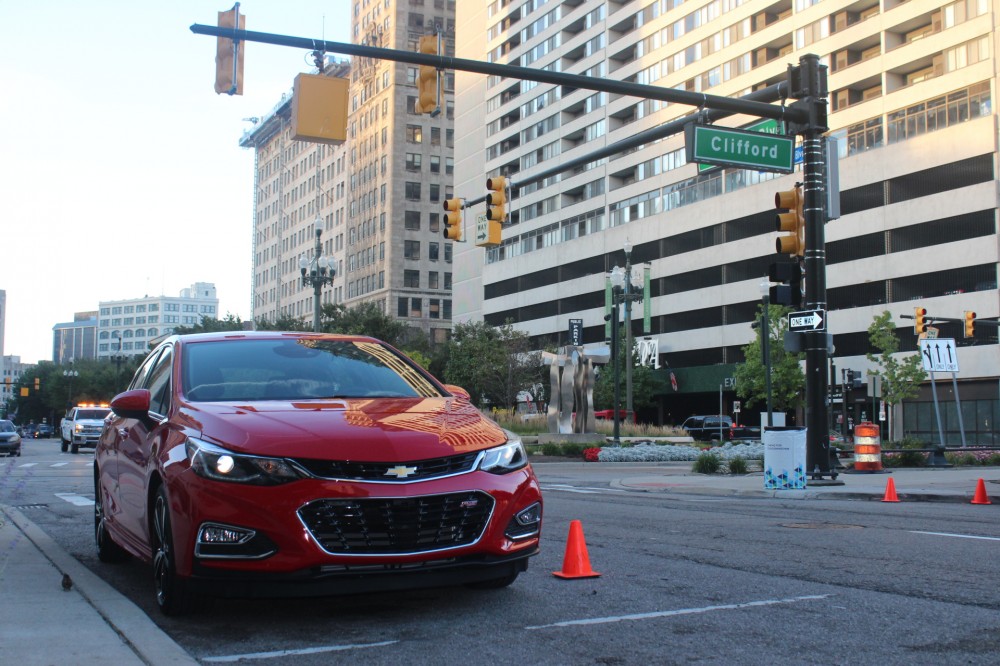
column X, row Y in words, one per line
column 10, row 440
column 711, row 428
column 298, row 464
column 43, row 431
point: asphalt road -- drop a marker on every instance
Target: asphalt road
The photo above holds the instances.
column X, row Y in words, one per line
column 684, row 579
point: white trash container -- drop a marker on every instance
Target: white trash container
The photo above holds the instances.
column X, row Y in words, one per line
column 785, row 458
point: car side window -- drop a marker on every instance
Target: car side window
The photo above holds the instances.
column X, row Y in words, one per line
column 139, row 380
column 158, row 384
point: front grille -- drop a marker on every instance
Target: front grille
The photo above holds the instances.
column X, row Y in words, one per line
column 431, row 468
column 398, row 525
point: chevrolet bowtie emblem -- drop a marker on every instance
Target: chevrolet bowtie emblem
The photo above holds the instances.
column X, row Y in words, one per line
column 400, row 471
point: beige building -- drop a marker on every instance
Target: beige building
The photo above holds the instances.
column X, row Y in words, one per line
column 379, row 195
column 911, row 101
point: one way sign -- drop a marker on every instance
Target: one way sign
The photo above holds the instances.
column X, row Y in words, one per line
column 809, row 320
column 938, row 355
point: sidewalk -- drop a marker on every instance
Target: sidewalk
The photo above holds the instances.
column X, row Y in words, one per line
column 89, row 625
column 925, row 484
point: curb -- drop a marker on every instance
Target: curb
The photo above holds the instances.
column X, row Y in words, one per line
column 141, row 634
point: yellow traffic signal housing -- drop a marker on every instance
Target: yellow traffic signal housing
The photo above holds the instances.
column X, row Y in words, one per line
column 453, row 219
column 919, row 320
column 970, row 324
column 496, row 199
column 229, row 55
column 792, row 221
column 427, row 81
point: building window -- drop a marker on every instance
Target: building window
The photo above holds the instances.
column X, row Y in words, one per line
column 414, row 134
column 411, row 279
column 401, row 306
column 434, row 308
column 412, row 191
column 411, row 250
column 416, row 308
column 435, row 164
column 435, row 192
column 434, row 222
column 411, row 220
column 432, row 280
column 432, row 251
column 414, row 162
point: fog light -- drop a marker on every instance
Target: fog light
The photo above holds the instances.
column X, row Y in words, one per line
column 526, row 522
column 216, row 541
column 211, row 533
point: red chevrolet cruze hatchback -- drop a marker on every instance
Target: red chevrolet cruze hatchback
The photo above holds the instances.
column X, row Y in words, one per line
column 288, row 464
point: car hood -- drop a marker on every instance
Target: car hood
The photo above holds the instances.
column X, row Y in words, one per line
column 368, row 430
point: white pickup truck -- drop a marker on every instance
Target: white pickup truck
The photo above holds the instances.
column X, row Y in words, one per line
column 82, row 427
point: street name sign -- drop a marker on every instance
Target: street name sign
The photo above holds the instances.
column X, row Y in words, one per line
column 768, row 126
column 808, row 320
column 725, row 146
column 938, row 355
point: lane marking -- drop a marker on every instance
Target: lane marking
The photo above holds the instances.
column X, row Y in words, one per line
column 587, row 490
column 75, row 500
column 957, row 536
column 27, row 465
column 287, row 653
column 58, row 464
column 680, row 611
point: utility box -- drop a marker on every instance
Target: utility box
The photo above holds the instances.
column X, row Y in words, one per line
column 785, row 458
column 319, row 109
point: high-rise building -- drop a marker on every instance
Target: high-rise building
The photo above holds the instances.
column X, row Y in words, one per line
column 380, row 195
column 911, row 103
column 75, row 339
column 128, row 327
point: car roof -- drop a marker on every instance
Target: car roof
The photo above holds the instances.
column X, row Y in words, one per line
column 266, row 335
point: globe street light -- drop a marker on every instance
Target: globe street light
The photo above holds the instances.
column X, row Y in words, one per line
column 70, row 374
column 626, row 287
column 317, row 271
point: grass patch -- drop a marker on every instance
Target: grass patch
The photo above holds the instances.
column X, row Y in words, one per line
column 707, row 463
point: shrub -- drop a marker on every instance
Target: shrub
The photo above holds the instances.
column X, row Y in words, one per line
column 707, row 463
column 572, row 449
column 992, row 459
column 551, row 449
column 737, row 465
column 963, row 459
column 591, row 454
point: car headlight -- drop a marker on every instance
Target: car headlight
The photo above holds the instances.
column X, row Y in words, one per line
column 214, row 462
column 506, row 458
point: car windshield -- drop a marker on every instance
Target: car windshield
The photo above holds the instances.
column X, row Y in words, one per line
column 96, row 414
column 298, row 369
column 7, row 426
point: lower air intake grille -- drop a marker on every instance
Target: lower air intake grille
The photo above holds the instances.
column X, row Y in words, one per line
column 397, row 525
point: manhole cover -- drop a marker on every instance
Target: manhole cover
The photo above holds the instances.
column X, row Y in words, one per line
column 821, row 526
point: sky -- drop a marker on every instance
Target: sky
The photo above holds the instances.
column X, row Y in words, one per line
column 121, row 173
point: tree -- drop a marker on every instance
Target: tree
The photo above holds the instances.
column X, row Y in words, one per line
column 787, row 378
column 363, row 319
column 209, row 324
column 494, row 364
column 900, row 376
column 643, row 383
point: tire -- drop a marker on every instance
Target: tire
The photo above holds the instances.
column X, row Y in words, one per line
column 74, row 448
column 64, row 446
column 107, row 550
column 175, row 595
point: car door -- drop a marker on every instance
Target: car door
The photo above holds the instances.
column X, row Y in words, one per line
column 135, row 441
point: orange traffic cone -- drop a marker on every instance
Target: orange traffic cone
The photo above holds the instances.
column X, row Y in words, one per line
column 576, row 563
column 981, row 497
column 890, row 492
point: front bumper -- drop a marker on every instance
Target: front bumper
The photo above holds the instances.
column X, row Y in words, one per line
column 298, row 555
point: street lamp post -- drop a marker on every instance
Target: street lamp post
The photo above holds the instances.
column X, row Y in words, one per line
column 626, row 287
column 316, row 272
column 765, row 344
column 118, row 356
column 70, row 374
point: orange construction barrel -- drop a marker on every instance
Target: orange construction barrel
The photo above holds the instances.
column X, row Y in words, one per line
column 867, row 448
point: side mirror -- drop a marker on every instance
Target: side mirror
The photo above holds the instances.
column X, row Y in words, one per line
column 458, row 391
column 132, row 404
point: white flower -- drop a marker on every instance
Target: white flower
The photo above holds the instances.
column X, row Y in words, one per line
column 675, row 452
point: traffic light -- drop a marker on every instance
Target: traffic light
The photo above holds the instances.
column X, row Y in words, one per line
column 496, row 199
column 789, row 276
column 919, row 320
column 792, row 221
column 427, row 82
column 970, row 324
column 453, row 219
column 229, row 54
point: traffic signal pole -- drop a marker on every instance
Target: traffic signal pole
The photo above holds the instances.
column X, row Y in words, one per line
column 808, row 83
column 807, row 117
